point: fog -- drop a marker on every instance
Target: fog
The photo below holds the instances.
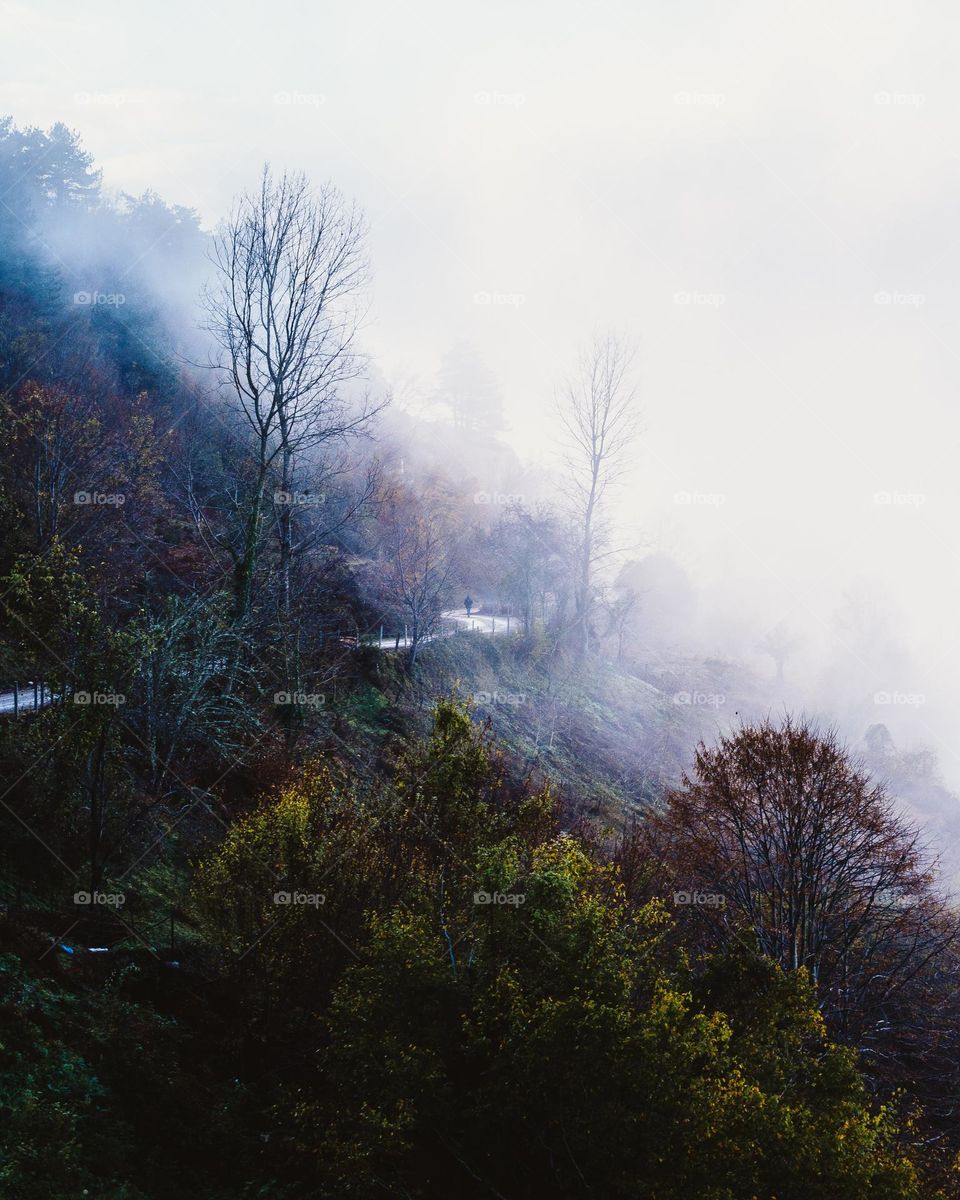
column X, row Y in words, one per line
column 761, row 197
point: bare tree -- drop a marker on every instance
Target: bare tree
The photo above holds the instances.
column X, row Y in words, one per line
column 780, row 644
column 621, row 605
column 418, row 564
column 528, row 547
column 53, row 433
column 597, row 412
column 284, row 310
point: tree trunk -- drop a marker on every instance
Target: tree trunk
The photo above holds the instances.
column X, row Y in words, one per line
column 286, row 529
column 247, row 562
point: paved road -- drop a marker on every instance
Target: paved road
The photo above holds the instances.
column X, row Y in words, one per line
column 481, row 624
column 458, row 616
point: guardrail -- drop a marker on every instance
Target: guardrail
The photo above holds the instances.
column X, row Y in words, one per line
column 23, row 698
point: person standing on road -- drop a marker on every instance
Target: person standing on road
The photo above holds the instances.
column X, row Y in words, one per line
column 468, row 604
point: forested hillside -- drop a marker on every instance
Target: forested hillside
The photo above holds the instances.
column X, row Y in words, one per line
column 360, row 835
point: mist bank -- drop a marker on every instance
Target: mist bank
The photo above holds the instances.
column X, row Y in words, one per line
column 781, row 564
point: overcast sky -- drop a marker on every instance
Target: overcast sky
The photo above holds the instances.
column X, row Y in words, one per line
column 763, row 195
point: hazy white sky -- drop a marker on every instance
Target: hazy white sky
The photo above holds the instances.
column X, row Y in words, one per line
column 764, row 195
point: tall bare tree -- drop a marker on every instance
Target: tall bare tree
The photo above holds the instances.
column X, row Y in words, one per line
column 596, row 407
column 418, row 564
column 285, row 311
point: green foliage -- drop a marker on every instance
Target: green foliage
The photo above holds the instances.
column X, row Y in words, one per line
column 423, row 989
column 48, row 1095
column 98, row 1098
column 46, row 607
column 562, row 1054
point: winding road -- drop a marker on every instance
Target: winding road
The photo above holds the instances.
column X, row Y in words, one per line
column 474, row 623
column 23, row 700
